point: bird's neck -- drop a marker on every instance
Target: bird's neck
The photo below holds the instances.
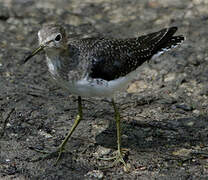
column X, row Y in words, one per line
column 66, row 65
column 62, row 63
column 53, row 62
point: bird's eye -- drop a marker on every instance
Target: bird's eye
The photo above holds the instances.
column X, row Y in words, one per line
column 58, row 37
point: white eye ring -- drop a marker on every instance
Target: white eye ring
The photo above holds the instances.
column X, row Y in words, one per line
column 58, row 37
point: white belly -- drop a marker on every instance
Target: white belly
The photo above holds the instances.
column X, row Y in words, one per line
column 98, row 87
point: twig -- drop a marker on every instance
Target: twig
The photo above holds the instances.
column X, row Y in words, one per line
column 5, row 121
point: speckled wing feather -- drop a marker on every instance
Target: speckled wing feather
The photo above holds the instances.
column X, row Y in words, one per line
column 114, row 58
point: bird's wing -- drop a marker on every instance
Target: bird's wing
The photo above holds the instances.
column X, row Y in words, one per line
column 114, row 58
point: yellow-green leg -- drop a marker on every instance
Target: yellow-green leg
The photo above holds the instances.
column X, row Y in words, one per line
column 77, row 121
column 60, row 149
column 120, row 152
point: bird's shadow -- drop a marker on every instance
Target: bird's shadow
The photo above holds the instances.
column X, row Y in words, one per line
column 141, row 136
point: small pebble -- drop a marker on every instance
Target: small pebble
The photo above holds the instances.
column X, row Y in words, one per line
column 196, row 111
column 101, row 151
column 95, row 174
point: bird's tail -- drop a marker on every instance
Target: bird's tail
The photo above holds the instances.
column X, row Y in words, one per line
column 168, row 41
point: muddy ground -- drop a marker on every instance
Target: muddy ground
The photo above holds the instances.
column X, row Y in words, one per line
column 164, row 111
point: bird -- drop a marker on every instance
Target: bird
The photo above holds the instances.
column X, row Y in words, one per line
column 99, row 67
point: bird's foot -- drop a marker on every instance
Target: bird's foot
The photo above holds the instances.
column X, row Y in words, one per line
column 118, row 157
column 48, row 154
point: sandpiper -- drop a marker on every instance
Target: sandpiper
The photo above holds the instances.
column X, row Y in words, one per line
column 99, row 67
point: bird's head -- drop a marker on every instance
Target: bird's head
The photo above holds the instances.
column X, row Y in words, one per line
column 52, row 38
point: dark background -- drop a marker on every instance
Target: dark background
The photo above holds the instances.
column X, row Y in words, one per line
column 164, row 111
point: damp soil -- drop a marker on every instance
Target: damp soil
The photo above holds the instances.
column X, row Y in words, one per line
column 163, row 111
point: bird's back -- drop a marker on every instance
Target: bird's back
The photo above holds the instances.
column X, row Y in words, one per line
column 110, row 59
